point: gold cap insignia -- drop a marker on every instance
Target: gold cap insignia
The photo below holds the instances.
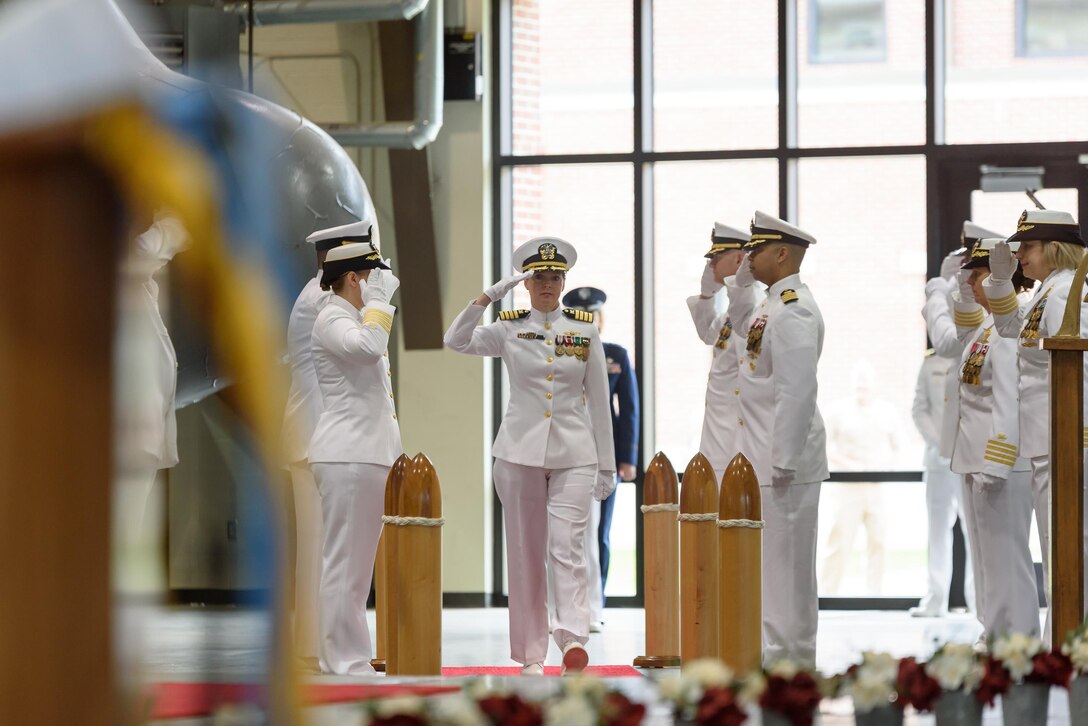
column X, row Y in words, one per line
column 547, row 251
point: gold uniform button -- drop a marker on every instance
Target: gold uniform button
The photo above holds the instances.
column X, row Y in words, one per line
column 550, row 359
column 386, row 354
column 547, row 414
column 548, row 396
column 547, row 342
column 390, row 395
column 549, row 377
column 736, row 391
column 394, row 417
column 740, row 421
column 389, row 373
column 547, row 326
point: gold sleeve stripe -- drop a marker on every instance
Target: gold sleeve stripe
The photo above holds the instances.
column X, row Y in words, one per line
column 969, row 320
column 1004, row 305
column 378, row 317
column 1001, row 446
column 1007, row 461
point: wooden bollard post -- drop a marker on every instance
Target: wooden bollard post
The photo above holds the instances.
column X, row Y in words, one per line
column 698, row 561
column 661, row 565
column 384, row 566
column 740, row 562
column 419, row 572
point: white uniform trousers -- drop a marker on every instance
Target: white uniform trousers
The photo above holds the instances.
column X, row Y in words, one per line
column 309, row 537
column 593, row 570
column 1040, row 499
column 352, row 504
column 974, row 540
column 1004, row 528
column 546, row 512
column 944, row 490
column 790, row 600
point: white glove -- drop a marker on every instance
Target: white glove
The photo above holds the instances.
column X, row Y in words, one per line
column 499, row 290
column 950, row 265
column 782, row 477
column 744, row 276
column 1002, row 263
column 936, row 285
column 963, row 281
column 708, row 286
column 988, row 483
column 380, row 286
column 606, row 484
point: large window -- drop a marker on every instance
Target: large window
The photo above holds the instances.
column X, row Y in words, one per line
column 630, row 127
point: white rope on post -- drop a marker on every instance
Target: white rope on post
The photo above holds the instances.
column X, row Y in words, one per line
column 703, row 517
column 413, row 521
column 647, row 508
column 743, row 523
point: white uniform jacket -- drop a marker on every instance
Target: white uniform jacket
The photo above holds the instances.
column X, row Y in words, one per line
column 718, row 442
column 929, row 408
column 947, row 343
column 780, row 424
column 1028, row 325
column 304, row 399
column 559, row 415
column 987, row 437
column 358, row 422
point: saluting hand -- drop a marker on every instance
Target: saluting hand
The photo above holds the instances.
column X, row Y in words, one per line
column 744, row 276
column 951, row 264
column 963, row 282
column 708, row 285
column 606, row 484
column 380, row 286
column 499, row 290
column 1002, row 263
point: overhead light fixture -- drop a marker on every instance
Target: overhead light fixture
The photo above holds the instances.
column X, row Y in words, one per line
column 1010, row 178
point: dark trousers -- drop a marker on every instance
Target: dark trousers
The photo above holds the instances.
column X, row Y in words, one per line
column 602, row 538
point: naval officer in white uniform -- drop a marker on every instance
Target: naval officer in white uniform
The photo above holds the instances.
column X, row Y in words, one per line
column 718, row 442
column 554, row 451
column 356, row 441
column 1050, row 248
column 780, row 429
column 299, row 419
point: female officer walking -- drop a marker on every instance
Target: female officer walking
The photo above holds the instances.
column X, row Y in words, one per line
column 554, row 449
column 356, row 441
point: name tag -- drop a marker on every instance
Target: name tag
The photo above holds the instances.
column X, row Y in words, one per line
column 531, row 336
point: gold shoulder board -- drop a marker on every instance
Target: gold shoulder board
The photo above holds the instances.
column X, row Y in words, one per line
column 513, row 314
column 579, row 315
column 789, row 296
column 930, row 352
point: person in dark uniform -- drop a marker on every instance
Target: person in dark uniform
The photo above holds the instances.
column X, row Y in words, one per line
column 623, row 396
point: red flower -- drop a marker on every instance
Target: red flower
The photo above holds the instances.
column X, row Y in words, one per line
column 618, row 710
column 399, row 719
column 1054, row 668
column 795, row 699
column 995, row 681
column 915, row 686
column 510, row 711
column 719, row 707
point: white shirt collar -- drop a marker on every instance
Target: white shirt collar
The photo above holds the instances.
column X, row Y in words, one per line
column 788, row 282
column 541, row 317
column 337, row 300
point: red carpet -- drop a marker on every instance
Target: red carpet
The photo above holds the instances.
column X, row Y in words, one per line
column 608, row 671
column 189, row 700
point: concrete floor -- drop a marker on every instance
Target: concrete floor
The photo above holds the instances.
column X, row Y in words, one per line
column 204, row 644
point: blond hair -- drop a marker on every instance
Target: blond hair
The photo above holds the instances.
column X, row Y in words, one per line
column 1062, row 255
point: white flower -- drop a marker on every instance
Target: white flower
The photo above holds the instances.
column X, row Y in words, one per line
column 394, row 705
column 570, row 711
column 873, row 683
column 751, row 688
column 457, row 711
column 586, row 686
column 784, row 668
column 1077, row 651
column 478, row 689
column 708, row 672
column 956, row 667
column 1016, row 652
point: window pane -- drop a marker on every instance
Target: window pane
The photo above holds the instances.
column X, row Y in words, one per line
column 688, row 198
column 1053, row 27
column 1000, row 211
column 592, row 207
column 571, row 76
column 995, row 95
column 856, row 97
column 847, row 31
column 873, row 348
column 729, row 103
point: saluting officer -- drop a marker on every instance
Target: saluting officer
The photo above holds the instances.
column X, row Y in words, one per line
column 553, row 452
column 623, row 400
column 1050, row 250
column 719, row 438
column 780, row 429
column 997, row 482
column 356, row 441
column 299, row 419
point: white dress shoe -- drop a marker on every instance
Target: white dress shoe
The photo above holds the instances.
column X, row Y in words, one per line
column 575, row 658
column 921, row 612
column 533, row 669
column 596, row 626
